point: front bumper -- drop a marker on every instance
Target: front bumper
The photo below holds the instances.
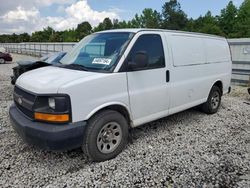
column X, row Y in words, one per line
column 13, row 80
column 54, row 137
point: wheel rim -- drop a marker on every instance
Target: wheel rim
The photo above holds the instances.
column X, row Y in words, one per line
column 215, row 100
column 1, row 60
column 109, row 137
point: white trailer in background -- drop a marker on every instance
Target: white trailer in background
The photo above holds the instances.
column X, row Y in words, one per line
column 240, row 49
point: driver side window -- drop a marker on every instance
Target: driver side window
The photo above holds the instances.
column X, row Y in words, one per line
column 147, row 53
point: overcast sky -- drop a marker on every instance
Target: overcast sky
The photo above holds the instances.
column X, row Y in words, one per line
column 18, row 16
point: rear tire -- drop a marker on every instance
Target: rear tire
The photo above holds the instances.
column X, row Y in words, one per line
column 2, row 61
column 213, row 102
column 106, row 136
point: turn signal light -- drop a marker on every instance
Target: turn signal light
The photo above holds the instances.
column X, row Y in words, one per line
column 52, row 117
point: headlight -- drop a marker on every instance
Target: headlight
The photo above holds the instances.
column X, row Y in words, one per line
column 55, row 109
column 52, row 103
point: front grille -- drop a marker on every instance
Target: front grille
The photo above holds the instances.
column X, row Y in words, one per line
column 24, row 101
column 27, row 112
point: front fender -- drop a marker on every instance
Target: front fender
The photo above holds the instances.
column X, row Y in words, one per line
column 105, row 105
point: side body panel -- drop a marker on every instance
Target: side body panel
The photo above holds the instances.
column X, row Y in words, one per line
column 194, row 69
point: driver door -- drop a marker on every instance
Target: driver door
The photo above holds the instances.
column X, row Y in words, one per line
column 147, row 77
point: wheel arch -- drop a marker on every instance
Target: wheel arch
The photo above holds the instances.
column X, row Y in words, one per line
column 219, row 84
column 116, row 106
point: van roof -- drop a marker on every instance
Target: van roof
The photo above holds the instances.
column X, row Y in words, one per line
column 136, row 30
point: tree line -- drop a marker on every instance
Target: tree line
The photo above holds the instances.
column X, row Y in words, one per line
column 232, row 22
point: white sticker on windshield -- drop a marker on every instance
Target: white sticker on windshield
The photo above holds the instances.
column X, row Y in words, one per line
column 102, row 61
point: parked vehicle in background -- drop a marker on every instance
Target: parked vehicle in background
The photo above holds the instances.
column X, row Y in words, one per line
column 25, row 66
column 5, row 57
column 117, row 79
column 45, row 57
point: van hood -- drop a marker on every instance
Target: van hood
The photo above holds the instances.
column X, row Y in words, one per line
column 49, row 79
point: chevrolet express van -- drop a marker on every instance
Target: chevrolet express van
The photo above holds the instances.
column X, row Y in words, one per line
column 118, row 79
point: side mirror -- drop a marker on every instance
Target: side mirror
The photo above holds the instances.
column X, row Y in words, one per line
column 140, row 61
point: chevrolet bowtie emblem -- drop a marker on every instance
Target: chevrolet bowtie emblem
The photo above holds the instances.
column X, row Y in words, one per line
column 19, row 100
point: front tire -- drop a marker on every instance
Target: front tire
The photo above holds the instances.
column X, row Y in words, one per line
column 106, row 136
column 213, row 102
column 2, row 61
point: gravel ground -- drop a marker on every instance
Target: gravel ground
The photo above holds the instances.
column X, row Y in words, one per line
column 189, row 149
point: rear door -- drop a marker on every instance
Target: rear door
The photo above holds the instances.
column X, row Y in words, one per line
column 148, row 85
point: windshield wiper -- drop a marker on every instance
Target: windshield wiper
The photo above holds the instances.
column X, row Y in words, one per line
column 73, row 66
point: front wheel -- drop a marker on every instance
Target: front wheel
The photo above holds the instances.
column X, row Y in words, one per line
column 213, row 102
column 2, row 61
column 106, row 136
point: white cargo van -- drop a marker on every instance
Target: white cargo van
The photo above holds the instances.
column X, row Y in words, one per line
column 117, row 79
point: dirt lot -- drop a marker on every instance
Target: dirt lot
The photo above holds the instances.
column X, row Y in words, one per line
column 189, row 149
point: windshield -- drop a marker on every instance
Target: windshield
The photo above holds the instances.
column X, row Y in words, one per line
column 98, row 52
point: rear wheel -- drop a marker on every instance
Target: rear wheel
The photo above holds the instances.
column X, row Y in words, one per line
column 106, row 136
column 2, row 61
column 213, row 102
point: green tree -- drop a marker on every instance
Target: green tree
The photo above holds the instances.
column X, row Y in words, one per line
column 190, row 25
column 150, row 18
column 107, row 24
column 55, row 37
column 122, row 24
column 37, row 37
column 208, row 24
column 42, row 36
column 83, row 29
column 136, row 22
column 47, row 32
column 173, row 16
column 14, row 38
column 228, row 19
column 242, row 27
column 99, row 27
column 69, row 35
column 24, row 37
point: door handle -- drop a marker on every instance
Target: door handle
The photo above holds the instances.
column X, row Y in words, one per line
column 167, row 76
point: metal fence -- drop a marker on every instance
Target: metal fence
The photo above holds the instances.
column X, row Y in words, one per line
column 37, row 49
column 240, row 49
